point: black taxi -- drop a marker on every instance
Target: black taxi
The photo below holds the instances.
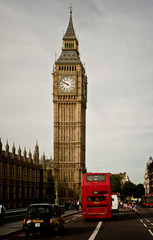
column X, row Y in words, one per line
column 43, row 217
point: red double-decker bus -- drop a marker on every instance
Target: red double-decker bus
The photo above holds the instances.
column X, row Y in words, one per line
column 96, row 195
column 147, row 200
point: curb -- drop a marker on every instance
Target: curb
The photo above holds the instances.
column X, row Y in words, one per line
column 9, row 235
column 72, row 214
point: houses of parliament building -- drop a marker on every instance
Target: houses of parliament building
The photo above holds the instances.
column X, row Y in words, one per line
column 25, row 178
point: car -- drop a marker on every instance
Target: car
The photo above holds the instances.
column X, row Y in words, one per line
column 43, row 217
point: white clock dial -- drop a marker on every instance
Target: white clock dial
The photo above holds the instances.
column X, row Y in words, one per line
column 67, row 84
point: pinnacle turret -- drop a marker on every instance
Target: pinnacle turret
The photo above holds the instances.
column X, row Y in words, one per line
column 19, row 153
column 13, row 151
column 7, row 149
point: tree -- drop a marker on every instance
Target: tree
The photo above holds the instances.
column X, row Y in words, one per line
column 128, row 188
column 115, row 183
column 139, row 191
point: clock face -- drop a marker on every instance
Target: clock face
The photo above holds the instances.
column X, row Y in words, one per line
column 67, row 84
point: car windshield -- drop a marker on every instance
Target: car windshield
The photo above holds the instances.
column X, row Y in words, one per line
column 39, row 211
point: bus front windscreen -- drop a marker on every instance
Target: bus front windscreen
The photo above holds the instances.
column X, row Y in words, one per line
column 96, row 178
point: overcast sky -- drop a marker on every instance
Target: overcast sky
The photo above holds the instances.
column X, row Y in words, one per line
column 116, row 45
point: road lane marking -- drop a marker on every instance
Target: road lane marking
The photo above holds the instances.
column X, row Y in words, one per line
column 145, row 220
column 150, row 232
column 73, row 218
column 149, row 223
column 67, row 221
column 92, row 237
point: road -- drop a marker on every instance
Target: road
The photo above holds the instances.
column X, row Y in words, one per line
column 125, row 225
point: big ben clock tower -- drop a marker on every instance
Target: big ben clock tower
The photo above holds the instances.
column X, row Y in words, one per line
column 70, row 98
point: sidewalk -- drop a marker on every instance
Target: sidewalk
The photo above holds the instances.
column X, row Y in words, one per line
column 15, row 227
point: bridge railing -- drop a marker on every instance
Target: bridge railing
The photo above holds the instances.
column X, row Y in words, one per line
column 14, row 214
column 19, row 213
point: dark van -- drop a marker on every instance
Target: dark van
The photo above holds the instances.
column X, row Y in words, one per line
column 43, row 217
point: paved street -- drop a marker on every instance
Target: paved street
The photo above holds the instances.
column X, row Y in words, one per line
column 125, row 225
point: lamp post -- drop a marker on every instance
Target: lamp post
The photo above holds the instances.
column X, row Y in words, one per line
column 56, row 192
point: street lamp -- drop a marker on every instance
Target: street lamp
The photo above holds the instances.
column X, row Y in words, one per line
column 56, row 192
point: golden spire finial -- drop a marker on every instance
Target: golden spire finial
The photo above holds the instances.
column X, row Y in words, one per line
column 71, row 7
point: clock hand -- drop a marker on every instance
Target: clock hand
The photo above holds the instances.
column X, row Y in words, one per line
column 64, row 82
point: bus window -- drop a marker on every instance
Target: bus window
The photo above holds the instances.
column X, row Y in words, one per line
column 96, row 198
column 96, row 178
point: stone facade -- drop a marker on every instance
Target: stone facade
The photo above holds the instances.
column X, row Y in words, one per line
column 69, row 97
column 148, row 176
column 146, row 180
column 124, row 177
column 24, row 180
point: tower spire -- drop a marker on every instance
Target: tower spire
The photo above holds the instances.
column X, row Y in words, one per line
column 70, row 33
column 71, row 8
column 70, row 50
